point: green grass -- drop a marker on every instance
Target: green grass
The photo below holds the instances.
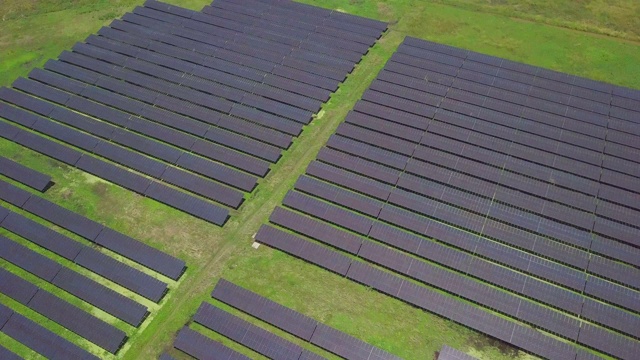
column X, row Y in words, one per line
column 29, row 35
column 612, row 18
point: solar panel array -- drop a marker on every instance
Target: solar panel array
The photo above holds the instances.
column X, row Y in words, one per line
column 261, row 341
column 506, row 185
column 94, row 294
column 197, row 105
column 24, row 175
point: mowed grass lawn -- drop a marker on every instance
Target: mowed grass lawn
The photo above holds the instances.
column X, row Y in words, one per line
column 32, row 32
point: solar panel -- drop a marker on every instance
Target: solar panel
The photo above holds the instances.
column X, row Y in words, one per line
column 346, row 346
column 122, row 274
column 13, row 195
column 119, row 176
column 42, row 235
column 29, row 260
column 141, row 253
column 264, row 309
column 203, row 187
column 43, row 341
column 329, row 213
column 306, row 250
column 334, row 194
column 24, row 175
column 101, row 297
column 8, row 355
column 201, row 347
column 608, row 342
column 247, row 334
column 64, row 218
column 317, row 230
column 16, row 288
column 189, row 204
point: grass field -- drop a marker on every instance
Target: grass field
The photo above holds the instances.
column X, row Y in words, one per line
column 32, row 32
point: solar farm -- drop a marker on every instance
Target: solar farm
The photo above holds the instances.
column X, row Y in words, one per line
column 267, row 179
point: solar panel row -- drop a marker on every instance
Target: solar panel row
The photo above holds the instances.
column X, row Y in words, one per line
column 62, row 312
column 510, row 119
column 121, row 155
column 194, row 206
column 245, row 333
column 92, row 231
column 24, row 175
column 426, row 299
column 586, row 100
column 93, row 260
column 140, row 143
column 40, row 339
column 256, row 70
column 567, row 216
column 201, row 347
column 295, row 323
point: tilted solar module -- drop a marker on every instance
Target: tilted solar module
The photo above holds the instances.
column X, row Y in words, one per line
column 334, row 194
column 24, row 175
column 117, row 175
column 218, row 172
column 316, row 230
column 203, row 187
column 329, row 213
column 608, row 342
